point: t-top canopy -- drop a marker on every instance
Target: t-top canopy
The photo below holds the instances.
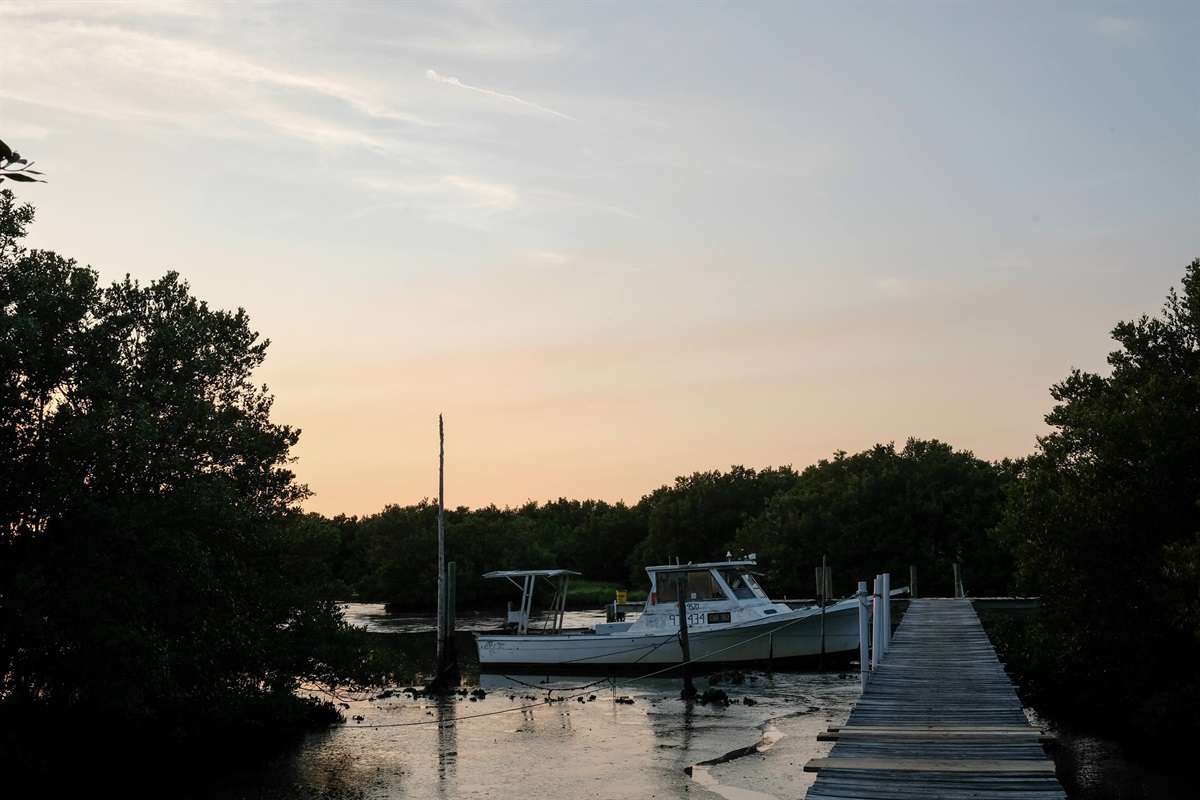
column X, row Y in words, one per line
column 523, row 573
column 701, row 567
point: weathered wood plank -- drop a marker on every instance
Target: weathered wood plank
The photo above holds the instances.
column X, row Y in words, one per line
column 933, row 729
column 939, row 720
column 930, row 735
column 930, row 765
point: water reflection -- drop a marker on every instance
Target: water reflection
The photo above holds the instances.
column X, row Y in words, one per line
column 375, row 619
column 1091, row 768
column 524, row 736
column 447, row 744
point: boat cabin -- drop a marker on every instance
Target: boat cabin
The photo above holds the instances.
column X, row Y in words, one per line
column 711, row 581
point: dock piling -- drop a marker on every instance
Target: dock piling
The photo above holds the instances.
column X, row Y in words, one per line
column 864, row 641
column 689, row 689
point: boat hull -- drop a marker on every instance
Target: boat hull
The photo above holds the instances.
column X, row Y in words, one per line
column 779, row 640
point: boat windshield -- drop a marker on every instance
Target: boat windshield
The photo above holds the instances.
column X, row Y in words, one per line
column 742, row 583
column 700, row 586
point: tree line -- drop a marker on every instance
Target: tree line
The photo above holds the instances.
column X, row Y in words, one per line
column 158, row 577
column 885, row 509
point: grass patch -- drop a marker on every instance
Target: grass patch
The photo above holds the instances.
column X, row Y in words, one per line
column 592, row 594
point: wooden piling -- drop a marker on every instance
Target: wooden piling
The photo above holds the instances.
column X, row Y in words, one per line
column 823, row 592
column 447, row 676
column 689, row 689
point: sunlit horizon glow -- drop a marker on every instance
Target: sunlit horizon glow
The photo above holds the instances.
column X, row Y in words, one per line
column 614, row 244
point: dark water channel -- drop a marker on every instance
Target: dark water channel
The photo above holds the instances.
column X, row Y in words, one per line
column 1091, row 768
column 595, row 737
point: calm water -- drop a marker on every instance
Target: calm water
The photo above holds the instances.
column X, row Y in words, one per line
column 1096, row 769
column 562, row 736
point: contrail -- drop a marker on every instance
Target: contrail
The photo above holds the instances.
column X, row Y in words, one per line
column 456, row 82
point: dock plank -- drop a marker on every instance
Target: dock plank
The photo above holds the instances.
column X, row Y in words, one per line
column 930, row 764
column 939, row 720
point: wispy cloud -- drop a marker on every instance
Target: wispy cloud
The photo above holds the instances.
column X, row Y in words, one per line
column 33, row 9
column 1010, row 261
column 490, row 195
column 458, row 199
column 1118, row 29
column 432, row 75
column 477, row 30
column 560, row 199
column 894, row 287
column 103, row 69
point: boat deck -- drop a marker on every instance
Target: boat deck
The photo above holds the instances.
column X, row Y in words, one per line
column 939, row 720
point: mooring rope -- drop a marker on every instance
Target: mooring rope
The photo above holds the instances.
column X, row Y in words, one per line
column 580, row 691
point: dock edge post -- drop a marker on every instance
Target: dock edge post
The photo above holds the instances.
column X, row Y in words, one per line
column 876, row 623
column 885, row 590
column 864, row 641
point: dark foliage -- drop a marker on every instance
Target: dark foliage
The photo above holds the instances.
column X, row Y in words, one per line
column 1105, row 525
column 154, row 573
column 697, row 518
column 381, row 553
column 885, row 510
column 877, row 511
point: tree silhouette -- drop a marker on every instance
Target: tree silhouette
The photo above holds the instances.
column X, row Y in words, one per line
column 15, row 168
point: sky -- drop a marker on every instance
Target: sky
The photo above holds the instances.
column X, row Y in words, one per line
column 613, row 243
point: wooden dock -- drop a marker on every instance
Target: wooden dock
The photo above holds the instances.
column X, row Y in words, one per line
column 939, row 720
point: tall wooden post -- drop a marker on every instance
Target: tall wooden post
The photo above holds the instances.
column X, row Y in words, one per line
column 823, row 590
column 451, row 589
column 447, row 655
column 441, row 610
column 689, row 689
column 864, row 636
column 885, row 589
column 876, row 627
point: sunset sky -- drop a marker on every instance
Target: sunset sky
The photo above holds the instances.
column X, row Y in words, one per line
column 618, row 242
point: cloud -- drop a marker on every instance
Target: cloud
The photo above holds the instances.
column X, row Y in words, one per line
column 456, row 198
column 107, row 69
column 1117, row 29
column 1010, row 261
column 491, row 195
column 894, row 287
column 547, row 258
column 449, row 39
column 559, row 199
column 112, row 9
column 432, row 75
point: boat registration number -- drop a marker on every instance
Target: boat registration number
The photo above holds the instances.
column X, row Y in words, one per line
column 695, row 618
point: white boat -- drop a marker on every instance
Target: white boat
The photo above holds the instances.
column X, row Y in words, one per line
column 729, row 620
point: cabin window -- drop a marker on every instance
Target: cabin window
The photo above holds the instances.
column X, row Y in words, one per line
column 742, row 590
column 701, row 586
column 665, row 587
column 741, row 583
